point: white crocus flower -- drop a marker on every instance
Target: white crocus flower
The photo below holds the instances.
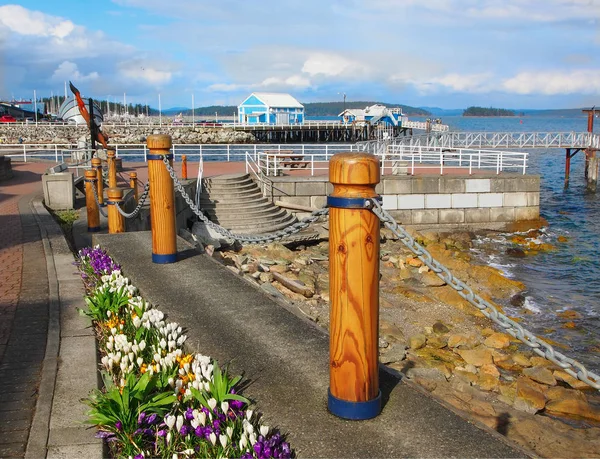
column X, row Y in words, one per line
column 264, row 430
column 223, row 439
column 212, row 403
column 170, row 420
column 229, row 431
column 139, row 361
column 243, row 441
column 252, row 438
column 249, row 414
column 169, row 436
column 213, row 438
column 202, row 418
column 195, row 423
column 225, row 407
column 179, row 423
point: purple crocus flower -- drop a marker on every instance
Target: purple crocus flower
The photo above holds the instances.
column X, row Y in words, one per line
column 161, row 433
column 184, row 430
column 139, row 456
column 119, row 425
column 141, row 418
column 151, row 419
column 189, row 414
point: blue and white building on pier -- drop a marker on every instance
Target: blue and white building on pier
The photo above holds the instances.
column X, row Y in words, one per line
column 270, row 108
column 375, row 114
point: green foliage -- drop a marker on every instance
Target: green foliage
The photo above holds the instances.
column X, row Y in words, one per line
column 103, row 300
column 219, row 388
column 482, row 111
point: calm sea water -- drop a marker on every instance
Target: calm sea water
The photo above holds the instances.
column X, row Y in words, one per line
column 568, row 278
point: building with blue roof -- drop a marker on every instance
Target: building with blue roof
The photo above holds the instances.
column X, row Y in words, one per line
column 270, row 108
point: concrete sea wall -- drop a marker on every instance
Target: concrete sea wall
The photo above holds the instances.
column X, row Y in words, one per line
column 466, row 201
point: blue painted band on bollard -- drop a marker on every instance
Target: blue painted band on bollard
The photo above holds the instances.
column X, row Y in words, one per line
column 157, row 157
column 93, row 229
column 163, row 259
column 350, row 203
column 356, row 411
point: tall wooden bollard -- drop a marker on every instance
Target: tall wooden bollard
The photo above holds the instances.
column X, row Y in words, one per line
column 162, row 200
column 116, row 221
column 97, row 165
column 112, row 169
column 184, row 167
column 133, row 183
column 353, row 288
column 93, row 213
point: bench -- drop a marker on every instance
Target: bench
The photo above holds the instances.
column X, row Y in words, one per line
column 288, row 159
column 59, row 187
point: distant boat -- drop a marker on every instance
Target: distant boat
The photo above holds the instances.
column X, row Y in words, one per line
column 69, row 112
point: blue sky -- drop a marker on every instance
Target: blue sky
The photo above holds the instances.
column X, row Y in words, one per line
column 444, row 53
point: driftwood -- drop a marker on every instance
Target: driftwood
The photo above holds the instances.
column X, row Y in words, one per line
column 293, row 285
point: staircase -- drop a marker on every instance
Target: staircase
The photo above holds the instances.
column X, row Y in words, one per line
column 236, row 203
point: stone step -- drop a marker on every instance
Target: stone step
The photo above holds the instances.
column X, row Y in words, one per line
column 260, row 229
column 261, row 213
column 250, row 185
column 220, row 179
column 231, row 220
column 231, row 192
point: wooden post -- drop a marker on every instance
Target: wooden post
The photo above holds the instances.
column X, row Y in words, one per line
column 133, row 183
column 353, row 287
column 112, row 169
column 567, row 167
column 162, row 200
column 116, row 221
column 184, row 167
column 97, row 165
column 93, row 213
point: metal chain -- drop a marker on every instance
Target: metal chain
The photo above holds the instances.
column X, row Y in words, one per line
column 97, row 201
column 137, row 209
column 540, row 347
column 248, row 238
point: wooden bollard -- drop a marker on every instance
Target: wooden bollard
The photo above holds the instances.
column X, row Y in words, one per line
column 133, row 183
column 353, row 288
column 184, row 167
column 97, row 165
column 116, row 221
column 112, row 169
column 162, row 200
column 93, row 213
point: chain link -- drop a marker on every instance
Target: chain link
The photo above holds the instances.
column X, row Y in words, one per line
column 97, row 201
column 540, row 347
column 248, row 238
column 137, row 209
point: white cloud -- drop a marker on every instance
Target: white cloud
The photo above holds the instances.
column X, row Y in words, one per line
column 140, row 70
column 69, row 71
column 25, row 22
column 329, row 65
column 556, row 82
column 294, row 81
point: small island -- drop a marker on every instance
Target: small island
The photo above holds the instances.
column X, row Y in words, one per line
column 483, row 111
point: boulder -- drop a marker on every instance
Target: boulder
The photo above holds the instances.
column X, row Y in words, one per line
column 440, row 328
column 498, row 341
column 574, row 407
column 417, row 341
column 541, row 375
column 575, row 383
column 479, row 356
column 529, row 396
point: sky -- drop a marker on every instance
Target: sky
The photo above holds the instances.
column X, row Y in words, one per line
column 426, row 53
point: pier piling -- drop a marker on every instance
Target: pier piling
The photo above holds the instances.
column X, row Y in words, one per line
column 97, row 166
column 93, row 213
column 162, row 200
column 112, row 169
column 354, row 288
column 133, row 183
column 116, row 221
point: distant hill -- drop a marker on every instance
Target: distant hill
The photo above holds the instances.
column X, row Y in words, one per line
column 310, row 109
column 487, row 111
column 335, row 108
column 437, row 111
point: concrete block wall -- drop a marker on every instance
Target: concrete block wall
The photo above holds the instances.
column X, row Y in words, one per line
column 462, row 201
column 59, row 191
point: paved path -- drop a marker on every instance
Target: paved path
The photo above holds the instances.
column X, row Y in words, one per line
column 23, row 310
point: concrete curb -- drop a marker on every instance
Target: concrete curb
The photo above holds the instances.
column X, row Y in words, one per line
column 70, row 362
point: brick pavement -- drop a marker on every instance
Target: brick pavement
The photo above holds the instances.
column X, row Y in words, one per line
column 23, row 308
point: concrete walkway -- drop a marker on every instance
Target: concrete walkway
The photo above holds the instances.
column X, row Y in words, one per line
column 47, row 351
column 284, row 359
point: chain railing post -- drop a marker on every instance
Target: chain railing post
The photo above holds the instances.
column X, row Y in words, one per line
column 184, row 171
column 133, row 183
column 93, row 213
column 162, row 200
column 112, row 169
column 116, row 221
column 97, row 166
column 354, row 288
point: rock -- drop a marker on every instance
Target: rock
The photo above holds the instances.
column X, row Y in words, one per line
column 575, row 383
column 432, row 374
column 278, row 269
column 498, row 341
column 487, row 382
column 272, row 290
column 383, row 344
column 521, row 359
column 561, row 393
column 424, row 269
column 517, row 300
column 396, row 353
column 461, row 340
column 490, row 369
column 431, row 279
column 414, row 262
column 529, row 397
column 516, row 252
column 437, row 341
column 569, row 314
column 465, row 375
column 263, row 268
column 440, row 328
column 479, row 356
column 541, row 375
column 573, row 407
column 417, row 341
column 209, row 249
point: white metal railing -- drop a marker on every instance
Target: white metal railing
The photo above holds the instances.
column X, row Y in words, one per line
column 504, row 140
column 409, row 159
column 424, row 125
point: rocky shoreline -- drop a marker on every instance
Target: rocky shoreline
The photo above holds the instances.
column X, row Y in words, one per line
column 46, row 133
column 443, row 343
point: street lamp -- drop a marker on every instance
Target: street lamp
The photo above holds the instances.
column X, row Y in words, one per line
column 344, row 94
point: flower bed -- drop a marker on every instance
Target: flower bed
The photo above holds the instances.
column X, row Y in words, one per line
column 159, row 400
